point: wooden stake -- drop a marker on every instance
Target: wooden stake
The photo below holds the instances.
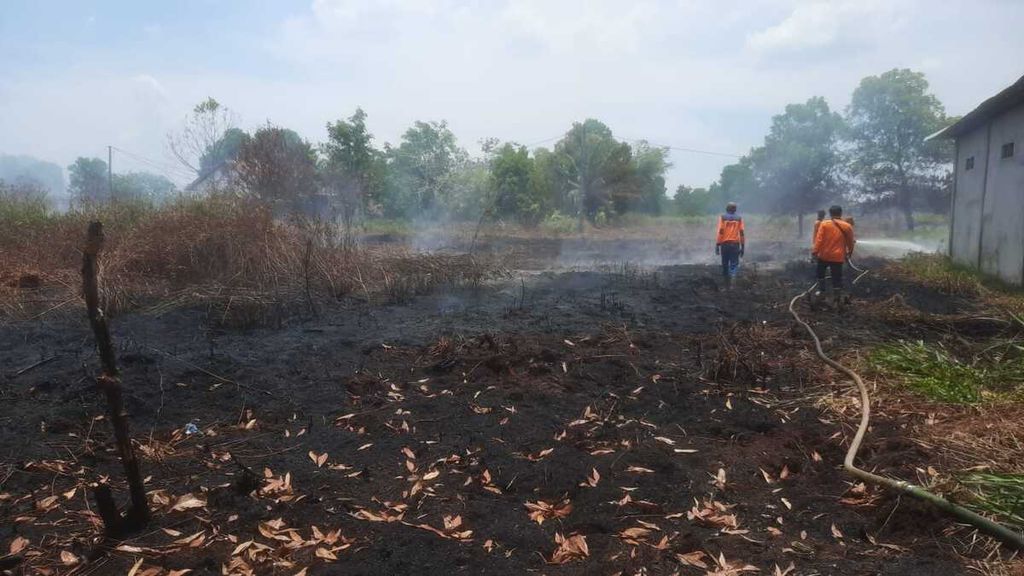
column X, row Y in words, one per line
column 109, row 382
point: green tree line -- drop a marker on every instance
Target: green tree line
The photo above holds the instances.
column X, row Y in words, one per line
column 874, row 154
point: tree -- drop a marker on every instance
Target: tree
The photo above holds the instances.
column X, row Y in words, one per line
column 203, row 129
column 88, row 181
column 649, row 166
column 422, row 168
column 144, row 186
column 224, row 150
column 692, row 201
column 278, row 167
column 796, row 168
column 515, row 188
column 588, row 157
column 888, row 118
column 353, row 169
column 737, row 184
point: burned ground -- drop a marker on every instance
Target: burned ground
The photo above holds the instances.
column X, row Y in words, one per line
column 676, row 419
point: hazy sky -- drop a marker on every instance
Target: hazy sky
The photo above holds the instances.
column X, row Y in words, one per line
column 76, row 76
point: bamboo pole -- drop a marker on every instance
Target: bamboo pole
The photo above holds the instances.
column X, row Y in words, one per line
column 109, row 382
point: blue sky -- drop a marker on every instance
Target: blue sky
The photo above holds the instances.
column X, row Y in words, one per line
column 77, row 76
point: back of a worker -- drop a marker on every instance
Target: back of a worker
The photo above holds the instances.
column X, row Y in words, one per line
column 730, row 242
column 833, row 245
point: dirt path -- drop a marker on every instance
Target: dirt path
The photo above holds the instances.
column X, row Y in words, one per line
column 421, row 431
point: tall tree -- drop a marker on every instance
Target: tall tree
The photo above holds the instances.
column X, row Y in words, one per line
column 422, row 168
column 202, row 129
column 889, row 117
column 277, row 166
column 649, row 166
column 588, row 157
column 353, row 169
column 737, row 184
column 515, row 189
column 797, row 166
column 88, row 181
column 224, row 150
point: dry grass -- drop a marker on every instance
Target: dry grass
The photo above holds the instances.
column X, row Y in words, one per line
column 230, row 255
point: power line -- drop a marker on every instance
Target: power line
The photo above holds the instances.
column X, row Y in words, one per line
column 683, row 149
column 155, row 163
column 676, row 148
column 532, row 144
column 165, row 169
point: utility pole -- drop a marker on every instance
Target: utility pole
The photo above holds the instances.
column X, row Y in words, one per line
column 110, row 173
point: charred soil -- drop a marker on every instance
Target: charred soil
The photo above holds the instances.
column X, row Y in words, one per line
column 649, row 418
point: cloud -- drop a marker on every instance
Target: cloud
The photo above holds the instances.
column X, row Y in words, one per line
column 582, row 26
column 819, row 24
column 689, row 73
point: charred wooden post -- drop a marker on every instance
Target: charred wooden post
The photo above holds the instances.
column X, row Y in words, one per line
column 109, row 382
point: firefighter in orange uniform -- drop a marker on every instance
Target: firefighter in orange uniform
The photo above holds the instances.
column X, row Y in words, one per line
column 833, row 245
column 730, row 242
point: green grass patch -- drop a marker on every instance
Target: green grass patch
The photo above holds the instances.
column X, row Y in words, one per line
column 939, row 272
column 999, row 494
column 931, row 371
column 994, row 373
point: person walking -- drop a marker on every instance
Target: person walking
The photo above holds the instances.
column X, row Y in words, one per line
column 833, row 246
column 730, row 242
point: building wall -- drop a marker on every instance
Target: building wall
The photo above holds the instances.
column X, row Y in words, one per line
column 988, row 205
column 967, row 199
column 1002, row 238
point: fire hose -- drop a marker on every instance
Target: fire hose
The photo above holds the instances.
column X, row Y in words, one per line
column 993, row 529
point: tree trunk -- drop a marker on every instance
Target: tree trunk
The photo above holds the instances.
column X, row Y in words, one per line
column 908, row 215
column 138, row 514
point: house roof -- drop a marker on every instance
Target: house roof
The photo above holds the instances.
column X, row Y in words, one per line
column 203, row 177
column 1010, row 97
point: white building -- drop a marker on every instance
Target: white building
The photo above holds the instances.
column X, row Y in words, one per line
column 987, row 222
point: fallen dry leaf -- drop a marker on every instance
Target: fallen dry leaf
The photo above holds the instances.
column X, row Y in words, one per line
column 726, row 568
column 326, row 554
column 569, row 549
column 713, row 514
column 539, row 455
column 592, row 480
column 17, row 545
column 784, row 572
column 187, row 502
column 135, row 567
column 318, row 459
column 635, row 535
column 639, row 470
column 695, row 559
column 541, row 511
column 719, row 479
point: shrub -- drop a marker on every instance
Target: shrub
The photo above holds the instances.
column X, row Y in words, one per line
column 558, row 223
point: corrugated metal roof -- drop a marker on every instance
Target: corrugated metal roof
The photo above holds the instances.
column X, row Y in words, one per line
column 1010, row 97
